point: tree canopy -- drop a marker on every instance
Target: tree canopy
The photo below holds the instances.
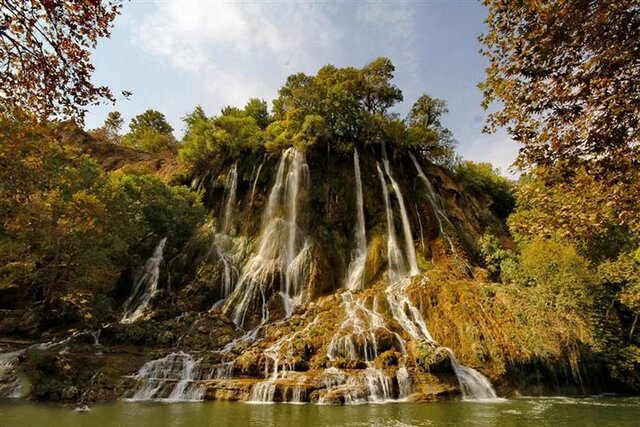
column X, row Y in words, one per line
column 66, row 225
column 151, row 132
column 45, row 65
column 339, row 107
column 566, row 78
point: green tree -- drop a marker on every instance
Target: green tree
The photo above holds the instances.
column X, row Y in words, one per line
column 353, row 103
column 257, row 109
column 112, row 127
column 209, row 142
column 150, row 132
column 483, row 178
column 379, row 93
column 427, row 133
column 150, row 120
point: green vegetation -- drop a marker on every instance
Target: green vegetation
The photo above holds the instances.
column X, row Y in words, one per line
column 150, row 132
column 67, row 226
column 558, row 285
column 338, row 107
column 568, row 101
column 484, row 178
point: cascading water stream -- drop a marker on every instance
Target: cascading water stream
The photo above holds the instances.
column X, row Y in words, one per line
column 229, row 200
column 435, row 201
column 223, row 242
column 174, row 377
column 474, row 385
column 11, row 385
column 255, row 181
column 405, row 385
column 355, row 272
column 282, row 258
column 145, row 287
column 355, row 338
column 395, row 258
column 406, row 227
column 405, row 313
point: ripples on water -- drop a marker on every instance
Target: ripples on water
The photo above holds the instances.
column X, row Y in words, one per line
column 546, row 411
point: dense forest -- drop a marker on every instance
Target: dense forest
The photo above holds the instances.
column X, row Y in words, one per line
column 533, row 282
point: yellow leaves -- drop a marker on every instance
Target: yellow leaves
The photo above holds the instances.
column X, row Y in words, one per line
column 580, row 208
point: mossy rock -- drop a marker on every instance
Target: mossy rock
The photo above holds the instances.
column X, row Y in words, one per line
column 430, row 357
column 387, row 359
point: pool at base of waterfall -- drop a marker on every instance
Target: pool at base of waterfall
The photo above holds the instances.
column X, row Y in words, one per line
column 534, row 411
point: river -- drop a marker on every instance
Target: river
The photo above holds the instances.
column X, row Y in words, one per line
column 546, row 411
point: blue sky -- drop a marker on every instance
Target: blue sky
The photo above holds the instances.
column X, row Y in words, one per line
column 176, row 54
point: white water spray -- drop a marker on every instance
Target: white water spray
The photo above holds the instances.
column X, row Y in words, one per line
column 435, row 201
column 174, row 377
column 255, row 181
column 406, row 227
column 355, row 272
column 473, row 384
column 282, row 259
column 145, row 287
column 229, row 200
column 395, row 259
column 11, row 386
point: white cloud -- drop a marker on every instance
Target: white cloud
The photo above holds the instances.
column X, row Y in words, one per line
column 227, row 44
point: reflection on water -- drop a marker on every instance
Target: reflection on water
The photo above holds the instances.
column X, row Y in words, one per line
column 549, row 411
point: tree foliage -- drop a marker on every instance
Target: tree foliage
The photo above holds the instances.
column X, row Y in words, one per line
column 110, row 129
column 337, row 107
column 45, row 65
column 67, row 225
column 150, row 132
column 484, row 178
column 209, row 141
column 567, row 77
column 600, row 217
column 347, row 99
column 427, row 133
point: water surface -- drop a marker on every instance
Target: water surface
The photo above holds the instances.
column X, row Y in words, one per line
column 550, row 411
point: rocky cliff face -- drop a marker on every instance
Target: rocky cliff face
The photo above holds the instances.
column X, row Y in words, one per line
column 311, row 282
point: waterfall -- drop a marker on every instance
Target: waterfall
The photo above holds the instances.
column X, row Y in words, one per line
column 379, row 386
column 406, row 227
column 229, row 200
column 10, row 385
column 263, row 392
column 171, row 378
column 435, row 201
column 145, row 287
column 223, row 243
column 96, row 341
column 355, row 338
column 405, row 385
column 282, row 258
column 299, row 393
column 355, row 272
column 255, row 181
column 473, row 384
column 397, row 265
column 229, row 273
column 223, row 370
column 281, row 354
column 399, row 302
